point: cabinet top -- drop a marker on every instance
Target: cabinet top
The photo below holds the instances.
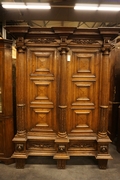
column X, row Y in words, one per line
column 5, row 43
column 69, row 32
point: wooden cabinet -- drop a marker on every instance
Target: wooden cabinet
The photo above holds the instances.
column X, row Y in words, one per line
column 6, row 110
column 62, row 93
column 114, row 124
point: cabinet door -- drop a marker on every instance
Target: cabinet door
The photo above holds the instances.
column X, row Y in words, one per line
column 41, row 91
column 83, row 91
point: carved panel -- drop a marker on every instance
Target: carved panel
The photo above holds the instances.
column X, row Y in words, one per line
column 40, row 41
column 85, row 41
column 42, row 62
column 83, row 93
column 82, row 116
column 82, row 145
column 83, row 85
column 41, row 85
column 41, row 145
column 84, row 62
column 83, row 120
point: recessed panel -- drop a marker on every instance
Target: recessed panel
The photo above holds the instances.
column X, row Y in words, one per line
column 84, row 64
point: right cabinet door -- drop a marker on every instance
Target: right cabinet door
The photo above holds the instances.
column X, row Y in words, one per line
column 83, row 91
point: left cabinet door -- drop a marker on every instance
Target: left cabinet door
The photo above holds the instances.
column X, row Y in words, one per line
column 6, row 102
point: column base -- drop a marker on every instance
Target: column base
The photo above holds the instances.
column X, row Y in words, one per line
column 20, row 163
column 61, row 163
column 102, row 163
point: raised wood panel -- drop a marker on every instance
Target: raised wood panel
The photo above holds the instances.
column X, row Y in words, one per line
column 83, row 85
column 82, row 121
column 41, row 89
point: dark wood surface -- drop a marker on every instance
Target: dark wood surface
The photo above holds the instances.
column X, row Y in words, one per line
column 62, row 106
column 6, row 114
column 114, row 122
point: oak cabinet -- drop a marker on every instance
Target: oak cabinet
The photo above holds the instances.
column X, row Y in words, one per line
column 6, row 110
column 62, row 93
column 114, row 113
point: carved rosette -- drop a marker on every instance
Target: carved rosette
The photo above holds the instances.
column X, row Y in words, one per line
column 61, row 149
column 19, row 148
column 103, row 148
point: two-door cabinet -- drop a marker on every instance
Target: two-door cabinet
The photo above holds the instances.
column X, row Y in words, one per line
column 6, row 102
column 62, row 93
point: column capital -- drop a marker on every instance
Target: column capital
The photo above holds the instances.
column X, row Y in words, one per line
column 106, row 47
column 63, row 49
column 20, row 44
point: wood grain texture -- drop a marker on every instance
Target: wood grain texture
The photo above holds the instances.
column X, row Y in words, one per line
column 63, row 105
column 6, row 113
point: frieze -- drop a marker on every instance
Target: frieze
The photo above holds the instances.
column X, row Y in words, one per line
column 85, row 41
column 62, row 41
column 40, row 145
column 82, row 145
column 40, row 41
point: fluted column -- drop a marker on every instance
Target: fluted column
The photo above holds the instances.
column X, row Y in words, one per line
column 20, row 86
column 62, row 90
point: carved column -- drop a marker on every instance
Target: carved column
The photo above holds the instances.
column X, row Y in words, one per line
column 105, row 83
column 62, row 139
column 103, row 140
column 20, row 86
column 62, row 90
column 20, row 138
